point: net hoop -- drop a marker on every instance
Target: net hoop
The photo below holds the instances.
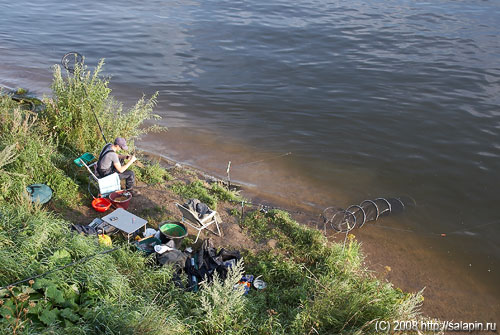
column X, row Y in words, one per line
column 343, row 221
column 327, row 216
column 397, row 206
column 354, row 210
column 329, row 213
column 366, row 205
column 384, row 207
column 408, row 201
column 70, row 59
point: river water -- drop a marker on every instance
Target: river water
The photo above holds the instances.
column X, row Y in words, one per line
column 372, row 99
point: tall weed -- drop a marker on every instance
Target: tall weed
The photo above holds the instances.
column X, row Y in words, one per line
column 153, row 173
column 77, row 96
column 222, row 305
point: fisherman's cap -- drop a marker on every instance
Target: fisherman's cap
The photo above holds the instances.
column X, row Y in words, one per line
column 120, row 141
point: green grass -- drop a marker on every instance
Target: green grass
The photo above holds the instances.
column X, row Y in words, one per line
column 153, row 173
column 116, row 285
column 33, row 158
column 200, row 190
column 314, row 285
column 310, row 285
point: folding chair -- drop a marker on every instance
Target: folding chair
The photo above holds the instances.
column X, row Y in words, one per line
column 191, row 218
column 106, row 185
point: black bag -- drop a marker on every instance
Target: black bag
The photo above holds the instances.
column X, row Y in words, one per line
column 207, row 262
column 81, row 229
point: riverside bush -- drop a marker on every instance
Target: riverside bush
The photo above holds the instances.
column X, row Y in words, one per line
column 154, row 173
column 223, row 305
column 70, row 112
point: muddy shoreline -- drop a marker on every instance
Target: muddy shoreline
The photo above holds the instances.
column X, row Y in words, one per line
column 408, row 261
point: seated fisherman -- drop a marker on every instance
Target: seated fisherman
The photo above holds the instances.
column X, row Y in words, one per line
column 110, row 162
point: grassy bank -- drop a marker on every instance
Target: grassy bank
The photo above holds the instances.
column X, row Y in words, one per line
column 314, row 287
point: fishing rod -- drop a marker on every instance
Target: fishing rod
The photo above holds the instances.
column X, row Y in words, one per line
column 69, row 61
column 81, row 260
column 265, row 159
column 249, row 163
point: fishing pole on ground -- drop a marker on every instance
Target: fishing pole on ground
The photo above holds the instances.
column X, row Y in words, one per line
column 81, row 260
column 70, row 61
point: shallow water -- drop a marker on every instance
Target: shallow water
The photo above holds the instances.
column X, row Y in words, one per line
column 384, row 98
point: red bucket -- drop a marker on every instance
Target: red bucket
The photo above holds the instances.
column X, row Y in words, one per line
column 121, row 199
column 101, row 204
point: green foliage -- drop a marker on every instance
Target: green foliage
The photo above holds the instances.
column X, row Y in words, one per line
column 208, row 195
column 70, row 114
column 195, row 189
column 25, row 100
column 235, row 212
column 106, row 292
column 21, row 91
column 223, row 194
column 29, row 156
column 7, row 156
column 154, row 173
column 223, row 304
column 15, row 305
column 187, row 242
column 314, row 285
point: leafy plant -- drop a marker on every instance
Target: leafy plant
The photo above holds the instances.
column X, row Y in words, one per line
column 223, row 304
column 154, row 173
column 195, row 189
column 15, row 305
column 223, row 194
column 70, row 113
column 206, row 194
